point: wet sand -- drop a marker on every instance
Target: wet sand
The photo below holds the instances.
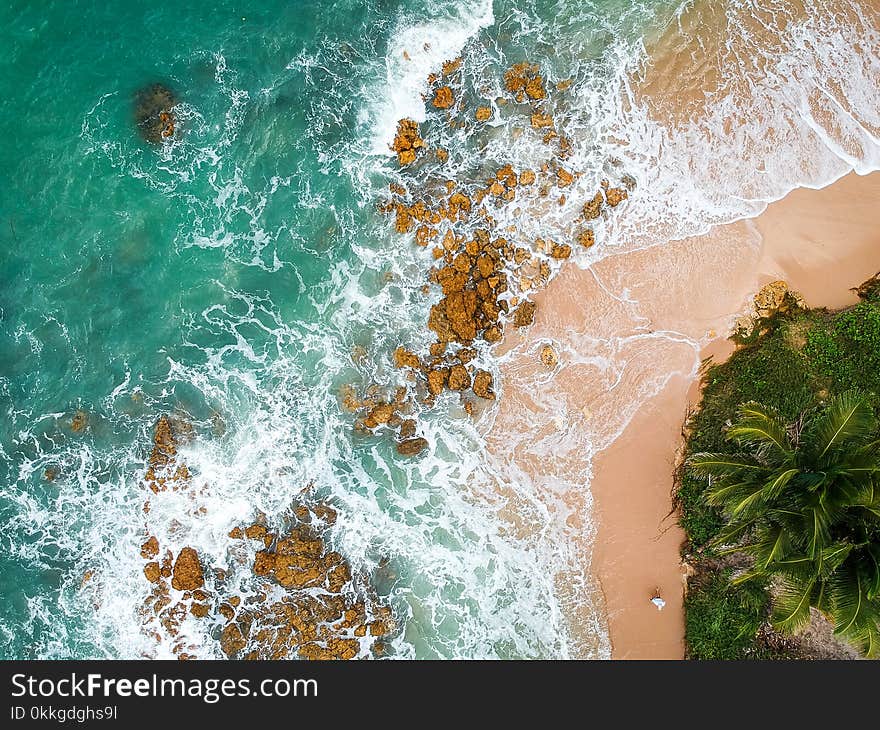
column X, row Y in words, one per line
column 629, row 345
column 822, row 243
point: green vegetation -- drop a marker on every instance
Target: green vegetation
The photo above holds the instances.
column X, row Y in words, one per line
column 800, row 362
column 721, row 620
column 801, row 500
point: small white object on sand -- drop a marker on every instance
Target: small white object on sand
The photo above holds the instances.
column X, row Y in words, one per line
column 659, row 602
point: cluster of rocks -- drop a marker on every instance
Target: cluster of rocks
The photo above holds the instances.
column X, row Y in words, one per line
column 407, row 141
column 154, row 112
column 483, row 279
column 303, row 600
column 309, row 605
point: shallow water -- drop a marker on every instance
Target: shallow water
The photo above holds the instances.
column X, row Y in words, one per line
column 239, row 275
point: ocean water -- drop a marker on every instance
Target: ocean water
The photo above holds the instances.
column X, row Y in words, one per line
column 238, row 276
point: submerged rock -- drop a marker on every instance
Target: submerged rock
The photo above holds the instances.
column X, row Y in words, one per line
column 153, row 112
column 411, row 447
column 79, row 422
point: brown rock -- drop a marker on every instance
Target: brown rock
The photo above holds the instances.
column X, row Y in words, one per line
column 493, row 334
column 564, row 178
column 483, row 385
column 264, row 563
column 255, row 532
column 152, row 571
column 560, row 251
column 443, row 98
column 411, row 447
column 462, row 263
column 164, row 444
column 450, row 67
column 437, row 380
column 460, row 309
column 586, row 238
column 403, row 358
column 541, row 121
column 407, row 429
column 231, row 640
column 524, row 314
column 526, row 177
column 483, row 114
column 199, row 610
column 465, row 355
column 150, row 549
column 459, row 379
column 407, row 141
column 380, row 414
column 615, row 196
column 548, row 357
column 187, row 572
column 593, row 208
column 535, row 88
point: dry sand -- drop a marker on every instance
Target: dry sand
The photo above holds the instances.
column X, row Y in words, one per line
column 628, row 346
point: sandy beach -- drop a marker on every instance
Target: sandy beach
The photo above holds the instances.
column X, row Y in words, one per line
column 610, row 413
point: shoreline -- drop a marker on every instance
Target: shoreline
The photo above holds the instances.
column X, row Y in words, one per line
column 629, row 334
column 819, row 242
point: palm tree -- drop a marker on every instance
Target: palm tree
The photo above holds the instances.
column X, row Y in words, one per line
column 804, row 501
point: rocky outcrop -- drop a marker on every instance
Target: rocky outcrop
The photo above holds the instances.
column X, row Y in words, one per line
column 443, row 98
column 187, row 572
column 304, row 600
column 407, row 141
column 154, row 112
column 771, row 299
column 524, row 81
column 412, row 447
column 483, row 385
column 322, row 611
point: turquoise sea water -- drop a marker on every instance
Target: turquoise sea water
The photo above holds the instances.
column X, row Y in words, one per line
column 232, row 277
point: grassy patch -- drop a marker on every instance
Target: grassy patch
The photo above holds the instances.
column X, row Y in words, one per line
column 722, row 620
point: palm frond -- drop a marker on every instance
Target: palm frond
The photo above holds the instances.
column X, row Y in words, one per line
column 791, row 607
column 848, row 417
column 731, row 532
column 855, row 615
column 705, row 464
column 833, row 556
column 761, row 426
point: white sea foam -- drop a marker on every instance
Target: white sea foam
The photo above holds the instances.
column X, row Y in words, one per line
column 418, row 47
